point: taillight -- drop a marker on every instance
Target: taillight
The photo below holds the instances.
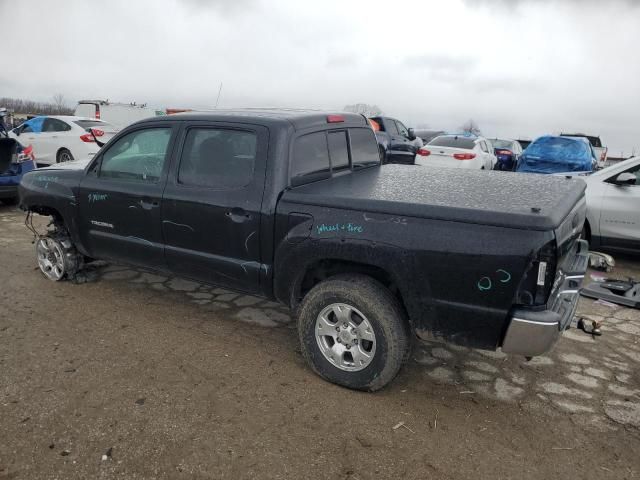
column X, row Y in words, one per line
column 25, row 155
column 335, row 119
column 538, row 279
column 464, row 156
column 97, row 111
column 97, row 132
column 87, row 137
column 504, row 152
column 424, row 152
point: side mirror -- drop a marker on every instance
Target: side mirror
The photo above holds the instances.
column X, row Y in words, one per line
column 625, row 178
column 411, row 134
column 16, row 131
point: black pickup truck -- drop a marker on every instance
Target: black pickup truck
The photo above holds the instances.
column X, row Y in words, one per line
column 295, row 206
column 397, row 143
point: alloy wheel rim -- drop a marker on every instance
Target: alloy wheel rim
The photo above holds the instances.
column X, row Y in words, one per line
column 50, row 258
column 345, row 337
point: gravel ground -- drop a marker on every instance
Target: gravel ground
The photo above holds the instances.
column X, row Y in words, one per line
column 137, row 375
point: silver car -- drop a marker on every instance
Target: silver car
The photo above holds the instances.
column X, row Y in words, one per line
column 613, row 207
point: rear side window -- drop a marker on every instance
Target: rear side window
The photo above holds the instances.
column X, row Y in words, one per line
column 338, row 150
column 391, row 127
column 55, row 125
column 217, row 158
column 364, row 147
column 310, row 155
column 453, row 141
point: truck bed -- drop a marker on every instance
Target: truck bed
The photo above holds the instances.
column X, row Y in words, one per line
column 505, row 199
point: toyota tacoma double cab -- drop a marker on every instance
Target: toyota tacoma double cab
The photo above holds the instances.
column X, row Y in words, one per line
column 295, row 206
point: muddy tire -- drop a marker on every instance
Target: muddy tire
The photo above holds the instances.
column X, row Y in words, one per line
column 353, row 332
column 57, row 257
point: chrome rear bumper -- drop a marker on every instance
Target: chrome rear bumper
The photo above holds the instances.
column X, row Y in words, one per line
column 532, row 332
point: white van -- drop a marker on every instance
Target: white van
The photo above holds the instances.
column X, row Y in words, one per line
column 118, row 114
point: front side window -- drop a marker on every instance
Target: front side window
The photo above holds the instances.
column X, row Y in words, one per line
column 310, row 155
column 364, row 147
column 218, row 158
column 138, row 156
column 338, row 150
column 402, row 129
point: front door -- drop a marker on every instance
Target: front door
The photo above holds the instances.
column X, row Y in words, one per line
column 620, row 213
column 121, row 197
column 212, row 204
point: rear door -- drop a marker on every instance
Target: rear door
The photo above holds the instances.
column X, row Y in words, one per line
column 121, row 195
column 620, row 213
column 52, row 138
column 212, row 204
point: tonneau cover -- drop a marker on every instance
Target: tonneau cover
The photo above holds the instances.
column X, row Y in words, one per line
column 506, row 199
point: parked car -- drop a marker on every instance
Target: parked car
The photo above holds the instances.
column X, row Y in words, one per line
column 457, row 151
column 15, row 161
column 396, row 142
column 295, row 206
column 595, row 142
column 63, row 138
column 507, row 152
column 557, row 155
column 427, row 135
column 524, row 143
column 117, row 114
column 613, row 207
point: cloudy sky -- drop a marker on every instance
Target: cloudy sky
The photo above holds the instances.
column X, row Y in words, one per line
column 520, row 68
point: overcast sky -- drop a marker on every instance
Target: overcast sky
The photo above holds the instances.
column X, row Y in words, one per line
column 519, row 68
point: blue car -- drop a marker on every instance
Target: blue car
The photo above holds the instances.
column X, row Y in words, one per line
column 551, row 154
column 15, row 161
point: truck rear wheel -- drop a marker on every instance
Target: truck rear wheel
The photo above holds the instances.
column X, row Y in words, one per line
column 353, row 332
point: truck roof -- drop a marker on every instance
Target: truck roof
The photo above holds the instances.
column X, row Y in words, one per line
column 299, row 118
column 505, row 199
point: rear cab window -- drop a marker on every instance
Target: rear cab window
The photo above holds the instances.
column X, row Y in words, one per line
column 318, row 155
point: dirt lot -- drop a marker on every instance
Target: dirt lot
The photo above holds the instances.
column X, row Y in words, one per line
column 171, row 379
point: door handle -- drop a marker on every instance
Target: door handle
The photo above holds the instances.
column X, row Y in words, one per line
column 238, row 215
column 148, row 204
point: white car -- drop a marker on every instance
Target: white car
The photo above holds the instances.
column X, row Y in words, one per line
column 457, row 151
column 613, row 207
column 63, row 138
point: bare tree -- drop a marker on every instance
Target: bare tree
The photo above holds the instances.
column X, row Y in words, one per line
column 470, row 126
column 29, row 107
column 60, row 102
column 365, row 109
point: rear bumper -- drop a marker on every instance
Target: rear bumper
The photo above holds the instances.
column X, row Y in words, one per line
column 534, row 332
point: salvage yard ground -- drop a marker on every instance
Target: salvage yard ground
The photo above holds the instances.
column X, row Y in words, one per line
column 138, row 375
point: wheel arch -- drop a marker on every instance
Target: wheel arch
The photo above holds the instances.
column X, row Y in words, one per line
column 325, row 268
